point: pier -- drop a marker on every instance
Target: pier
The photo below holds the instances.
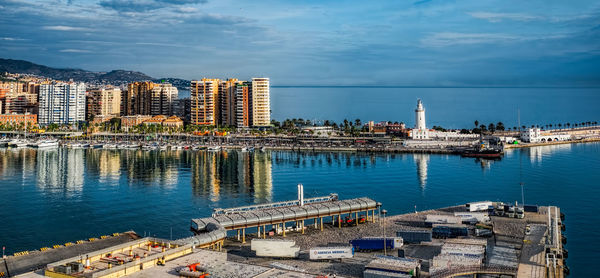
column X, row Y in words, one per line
column 274, row 215
column 519, row 243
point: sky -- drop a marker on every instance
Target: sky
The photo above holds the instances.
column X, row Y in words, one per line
column 389, row 43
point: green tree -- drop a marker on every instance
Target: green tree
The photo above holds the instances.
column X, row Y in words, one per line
column 500, row 126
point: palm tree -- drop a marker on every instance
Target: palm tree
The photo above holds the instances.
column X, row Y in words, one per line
column 500, row 126
column 476, row 123
column 357, row 122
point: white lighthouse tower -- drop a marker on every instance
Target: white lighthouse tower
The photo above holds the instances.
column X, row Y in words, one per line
column 420, row 131
column 420, row 115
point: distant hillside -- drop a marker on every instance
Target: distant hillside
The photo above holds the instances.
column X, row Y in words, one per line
column 115, row 77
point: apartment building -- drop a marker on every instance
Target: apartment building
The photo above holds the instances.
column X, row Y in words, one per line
column 204, row 98
column 61, row 103
column 163, row 97
column 105, row 101
column 261, row 103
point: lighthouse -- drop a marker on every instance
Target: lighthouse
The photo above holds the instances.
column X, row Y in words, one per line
column 420, row 116
column 420, row 131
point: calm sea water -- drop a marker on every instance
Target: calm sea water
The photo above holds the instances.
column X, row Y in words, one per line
column 447, row 107
column 51, row 197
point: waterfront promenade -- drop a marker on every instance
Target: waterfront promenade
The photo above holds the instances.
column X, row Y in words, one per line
column 380, row 144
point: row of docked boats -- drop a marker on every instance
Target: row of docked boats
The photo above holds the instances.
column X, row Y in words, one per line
column 25, row 143
column 53, row 143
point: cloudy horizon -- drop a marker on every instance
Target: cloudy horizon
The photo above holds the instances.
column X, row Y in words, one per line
column 390, row 43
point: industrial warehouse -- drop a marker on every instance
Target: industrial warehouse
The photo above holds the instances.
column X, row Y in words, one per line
column 324, row 237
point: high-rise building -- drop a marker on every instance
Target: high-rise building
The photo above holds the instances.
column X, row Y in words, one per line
column 19, row 97
column 148, row 98
column 231, row 102
column 261, row 103
column 137, row 100
column 105, row 101
column 227, row 102
column 61, row 103
column 204, row 96
column 163, row 99
column 182, row 109
column 243, row 106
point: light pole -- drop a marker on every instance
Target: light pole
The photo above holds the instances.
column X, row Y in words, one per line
column 384, row 212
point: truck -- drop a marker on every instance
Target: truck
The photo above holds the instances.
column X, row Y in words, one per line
column 376, row 243
column 448, row 231
column 331, row 252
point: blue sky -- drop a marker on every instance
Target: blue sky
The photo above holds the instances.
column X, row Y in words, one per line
column 410, row 43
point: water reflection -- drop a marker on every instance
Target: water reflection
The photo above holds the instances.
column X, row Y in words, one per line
column 213, row 174
column 421, row 160
column 216, row 174
column 536, row 154
column 17, row 161
column 60, row 170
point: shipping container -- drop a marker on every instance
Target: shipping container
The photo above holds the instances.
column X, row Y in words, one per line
column 531, row 208
column 372, row 273
column 376, row 243
column 328, row 253
column 414, row 236
column 442, row 219
column 480, row 206
column 275, row 248
column 483, row 232
column 441, row 231
column 473, row 217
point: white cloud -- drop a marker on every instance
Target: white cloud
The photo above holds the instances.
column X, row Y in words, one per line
column 497, row 17
column 65, row 28
column 11, row 39
column 449, row 38
column 70, row 50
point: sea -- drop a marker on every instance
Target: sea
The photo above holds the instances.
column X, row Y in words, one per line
column 50, row 197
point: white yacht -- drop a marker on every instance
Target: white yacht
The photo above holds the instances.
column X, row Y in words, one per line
column 18, row 143
column 46, row 144
column 214, row 148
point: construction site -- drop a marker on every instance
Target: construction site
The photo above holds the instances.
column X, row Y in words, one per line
column 324, row 237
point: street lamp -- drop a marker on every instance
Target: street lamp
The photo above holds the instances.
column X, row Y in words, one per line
column 384, row 212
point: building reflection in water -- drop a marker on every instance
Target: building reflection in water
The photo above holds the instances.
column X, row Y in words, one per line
column 60, row 169
column 109, row 166
column 421, row 160
column 20, row 161
column 217, row 174
column 536, row 154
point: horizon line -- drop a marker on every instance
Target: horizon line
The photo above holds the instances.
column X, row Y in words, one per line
column 434, row 86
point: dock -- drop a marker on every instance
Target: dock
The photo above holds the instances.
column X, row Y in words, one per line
column 519, row 244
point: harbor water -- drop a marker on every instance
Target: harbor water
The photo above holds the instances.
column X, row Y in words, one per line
column 446, row 107
column 55, row 196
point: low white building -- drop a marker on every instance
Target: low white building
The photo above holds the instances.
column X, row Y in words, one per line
column 535, row 135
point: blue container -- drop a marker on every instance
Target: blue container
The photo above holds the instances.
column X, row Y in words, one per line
column 449, row 231
column 372, row 243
